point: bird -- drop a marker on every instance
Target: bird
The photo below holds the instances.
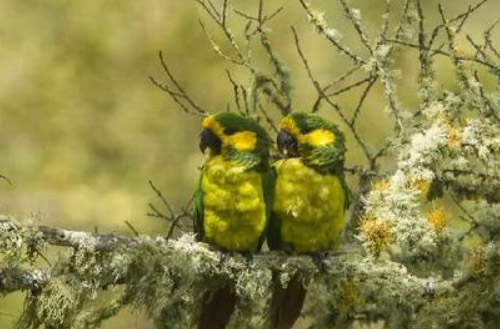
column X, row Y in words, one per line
column 309, row 202
column 232, row 202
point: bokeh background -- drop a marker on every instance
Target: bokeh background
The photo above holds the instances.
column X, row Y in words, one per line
column 82, row 129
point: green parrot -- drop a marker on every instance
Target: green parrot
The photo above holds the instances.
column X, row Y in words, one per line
column 233, row 200
column 310, row 200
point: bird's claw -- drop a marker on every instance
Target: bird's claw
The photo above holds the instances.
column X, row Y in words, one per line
column 222, row 257
column 318, row 258
column 248, row 257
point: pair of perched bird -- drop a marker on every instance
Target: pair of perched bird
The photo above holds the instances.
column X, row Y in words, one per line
column 298, row 203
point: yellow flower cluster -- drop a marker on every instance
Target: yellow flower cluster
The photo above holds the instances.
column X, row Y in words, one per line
column 381, row 185
column 477, row 262
column 453, row 134
column 377, row 232
column 420, row 184
column 454, row 137
column 484, row 262
column 437, row 218
column 348, row 291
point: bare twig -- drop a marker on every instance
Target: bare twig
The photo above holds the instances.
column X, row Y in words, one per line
column 362, row 100
column 178, row 95
column 320, row 91
column 349, row 11
column 463, row 16
column 351, row 86
column 173, row 218
column 6, row 179
column 162, row 198
column 282, row 73
column 356, row 59
column 132, row 228
column 236, row 92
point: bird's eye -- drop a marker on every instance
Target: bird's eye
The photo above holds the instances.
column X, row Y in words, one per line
column 229, row 131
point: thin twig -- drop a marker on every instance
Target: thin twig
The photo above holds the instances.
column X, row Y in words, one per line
column 465, row 15
column 351, row 86
column 236, row 91
column 348, row 10
column 320, row 91
column 343, row 50
column 180, row 93
column 6, row 179
column 132, row 228
column 362, row 99
column 162, row 198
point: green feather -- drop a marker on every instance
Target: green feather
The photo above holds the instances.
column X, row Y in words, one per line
column 268, row 184
column 198, row 211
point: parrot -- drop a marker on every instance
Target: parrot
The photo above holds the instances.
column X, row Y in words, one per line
column 232, row 202
column 309, row 202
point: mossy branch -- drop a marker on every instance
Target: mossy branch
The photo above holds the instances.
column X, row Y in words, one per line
column 176, row 269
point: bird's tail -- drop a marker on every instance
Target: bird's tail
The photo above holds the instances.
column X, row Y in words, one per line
column 217, row 307
column 286, row 303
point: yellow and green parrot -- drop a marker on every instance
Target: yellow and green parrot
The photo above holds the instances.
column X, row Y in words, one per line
column 310, row 200
column 233, row 200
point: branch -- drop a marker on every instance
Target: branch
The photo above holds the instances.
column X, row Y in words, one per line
column 322, row 94
column 180, row 95
column 173, row 218
column 323, row 30
column 14, row 279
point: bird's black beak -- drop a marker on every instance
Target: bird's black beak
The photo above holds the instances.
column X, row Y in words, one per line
column 209, row 140
column 287, row 144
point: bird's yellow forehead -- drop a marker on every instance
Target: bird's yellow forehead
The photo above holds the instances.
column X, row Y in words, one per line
column 214, row 126
column 318, row 137
column 288, row 125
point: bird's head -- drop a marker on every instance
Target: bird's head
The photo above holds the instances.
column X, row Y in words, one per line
column 318, row 142
column 236, row 138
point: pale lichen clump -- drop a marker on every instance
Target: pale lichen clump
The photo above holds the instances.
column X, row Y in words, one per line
column 11, row 242
column 58, row 304
column 84, row 257
column 253, row 288
column 399, row 207
column 320, row 25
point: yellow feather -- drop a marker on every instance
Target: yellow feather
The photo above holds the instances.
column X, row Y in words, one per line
column 233, row 205
column 318, row 137
column 212, row 124
column 309, row 205
column 243, row 140
column 289, row 125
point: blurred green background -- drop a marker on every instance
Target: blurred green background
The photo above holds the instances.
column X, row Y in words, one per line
column 82, row 129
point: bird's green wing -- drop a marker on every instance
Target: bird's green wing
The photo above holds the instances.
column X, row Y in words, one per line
column 347, row 192
column 274, row 222
column 268, row 182
column 198, row 211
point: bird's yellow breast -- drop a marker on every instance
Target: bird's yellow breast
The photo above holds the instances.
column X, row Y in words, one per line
column 233, row 205
column 310, row 206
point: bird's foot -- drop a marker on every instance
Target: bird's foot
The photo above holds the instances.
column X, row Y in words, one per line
column 318, row 258
column 222, row 257
column 248, row 257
